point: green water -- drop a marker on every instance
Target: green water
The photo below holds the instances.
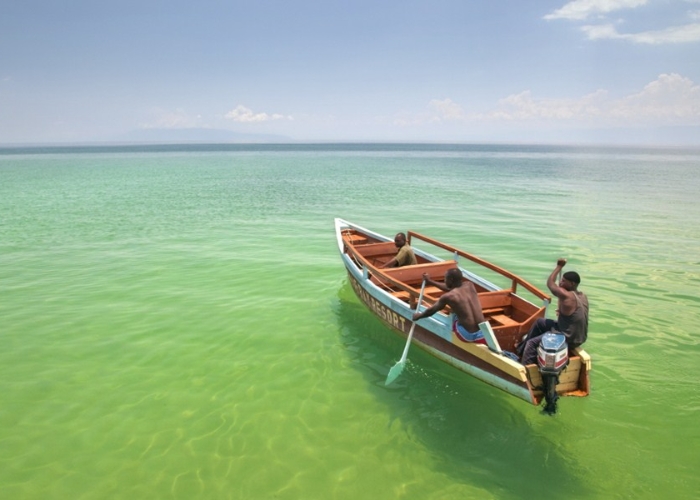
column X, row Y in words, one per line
column 175, row 322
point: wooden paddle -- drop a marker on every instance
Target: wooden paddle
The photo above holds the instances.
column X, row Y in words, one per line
column 398, row 367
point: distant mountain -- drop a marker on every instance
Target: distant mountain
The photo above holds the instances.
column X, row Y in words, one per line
column 197, row 135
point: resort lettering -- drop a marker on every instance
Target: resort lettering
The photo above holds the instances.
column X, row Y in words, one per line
column 379, row 309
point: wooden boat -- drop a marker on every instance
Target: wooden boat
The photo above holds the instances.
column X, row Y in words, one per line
column 392, row 293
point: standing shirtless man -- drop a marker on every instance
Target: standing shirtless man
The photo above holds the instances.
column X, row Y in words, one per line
column 461, row 296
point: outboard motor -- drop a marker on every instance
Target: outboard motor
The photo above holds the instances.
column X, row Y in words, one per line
column 552, row 358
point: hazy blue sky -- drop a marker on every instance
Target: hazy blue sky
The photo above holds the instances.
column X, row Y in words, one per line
column 327, row 70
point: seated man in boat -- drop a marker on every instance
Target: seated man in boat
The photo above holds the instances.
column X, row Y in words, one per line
column 405, row 256
column 572, row 315
column 463, row 300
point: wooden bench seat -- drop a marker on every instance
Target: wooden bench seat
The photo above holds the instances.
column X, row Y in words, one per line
column 430, row 291
column 493, row 311
column 499, row 299
column 355, row 239
column 414, row 274
column 504, row 320
column 375, row 249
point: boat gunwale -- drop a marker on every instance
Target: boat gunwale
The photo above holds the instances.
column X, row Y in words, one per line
column 515, row 279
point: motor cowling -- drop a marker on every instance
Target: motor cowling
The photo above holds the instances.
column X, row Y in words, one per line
column 552, row 353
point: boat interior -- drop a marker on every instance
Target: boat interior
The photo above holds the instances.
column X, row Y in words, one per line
column 507, row 312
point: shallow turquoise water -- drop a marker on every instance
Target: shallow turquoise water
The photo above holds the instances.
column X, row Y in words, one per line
column 175, row 322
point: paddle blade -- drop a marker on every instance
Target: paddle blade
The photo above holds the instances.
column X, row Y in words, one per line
column 395, row 372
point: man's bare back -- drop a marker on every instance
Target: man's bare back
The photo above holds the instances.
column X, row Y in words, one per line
column 464, row 303
column 462, row 299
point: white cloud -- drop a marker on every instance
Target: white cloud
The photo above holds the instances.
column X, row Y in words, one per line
column 583, row 9
column 242, row 114
column 179, row 118
column 671, row 99
column 523, row 106
column 446, row 110
column 601, row 31
column 678, row 34
column 578, row 10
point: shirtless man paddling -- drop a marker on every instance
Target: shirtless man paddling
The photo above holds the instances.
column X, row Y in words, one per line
column 461, row 296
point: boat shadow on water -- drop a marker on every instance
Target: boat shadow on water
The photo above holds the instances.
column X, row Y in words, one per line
column 476, row 434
